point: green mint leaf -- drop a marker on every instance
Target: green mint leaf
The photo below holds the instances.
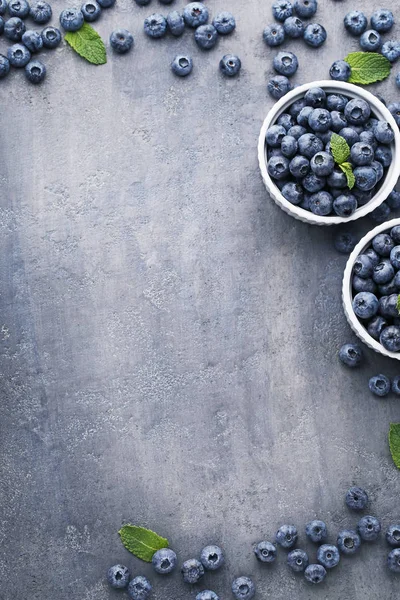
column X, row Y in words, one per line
column 398, row 304
column 339, row 148
column 368, row 67
column 347, row 169
column 141, row 542
column 88, row 44
column 394, row 443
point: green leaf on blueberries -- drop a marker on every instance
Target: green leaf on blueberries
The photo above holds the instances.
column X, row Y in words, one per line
column 368, row 67
column 398, row 304
column 88, row 44
column 141, row 542
column 394, row 443
column 339, row 148
column 347, row 169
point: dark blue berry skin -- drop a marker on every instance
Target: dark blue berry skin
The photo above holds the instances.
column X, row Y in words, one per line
column 286, row 536
column 375, row 327
column 351, row 355
column 71, row 19
column 368, row 528
column 373, row 256
column 322, row 164
column 393, row 560
column 51, row 37
column 340, row 70
column 14, row 29
column 316, row 531
column 35, row 71
column 275, row 135
column 207, row 595
column 397, row 80
column 155, row 26
column 106, row 3
column 192, row 571
column 379, row 385
column 296, row 107
column 142, row 2
column 91, row 10
column 339, row 121
column 384, row 155
column 378, row 168
column 370, row 41
column 363, row 266
column 293, row 27
column 315, row 574
column 348, row 542
column 309, row 144
column 121, row 40
column 390, row 338
column 286, row 63
column 1, row 25
column 3, row 7
column 362, row 197
column 305, row 8
column 361, row 154
column 243, row 588
column 230, row 65
column 195, row 14
column 383, row 244
column 212, row 557
column 384, row 132
column 40, row 12
column 336, row 102
column 4, row 66
column 391, row 50
column 321, row 204
column 382, row 20
column 395, row 257
column 175, row 23
column 18, row 55
column 368, row 137
column 274, row 35
column 315, row 97
column 293, row 192
column 355, row 22
column 320, row 120
column 265, row 552
column 349, row 135
column 328, row 555
column 118, row 576
column 164, row 561
column 278, row 86
column 286, row 120
column 182, row 65
column 357, row 111
column 337, row 179
column 289, row 146
column 365, row 305
column 278, row 167
column 393, row 201
column 297, row 131
column 344, row 243
column 206, row 36
column 18, row 8
column 366, row 178
column 363, row 285
column 297, row 560
column 313, row 184
column 282, row 10
column 139, row 588
column 383, row 272
column 387, row 289
column 394, row 109
column 395, row 235
column 32, row 40
column 345, row 205
column 224, row 23
column 302, row 117
column 299, row 166
column 393, row 534
column 315, row 35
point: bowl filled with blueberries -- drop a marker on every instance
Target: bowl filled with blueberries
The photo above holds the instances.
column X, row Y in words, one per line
column 371, row 286
column 300, row 168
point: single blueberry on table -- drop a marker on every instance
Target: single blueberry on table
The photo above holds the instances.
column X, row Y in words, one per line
column 365, row 306
column 121, row 41
column 265, row 552
column 142, row 2
column 313, row 184
column 282, row 10
column 382, row 20
column 336, row 102
column 106, row 3
column 286, row 63
column 14, row 29
column 175, row 23
column 286, row 120
column 368, row 528
column 207, row 595
column 321, row 203
column 32, row 40
column 316, row 531
column 379, row 385
column 393, row 535
column 155, row 26
column 18, row 8
column 192, row 570
column 293, row 27
column 348, row 542
column 393, row 560
column 391, row 50
column 375, row 326
column 206, row 36
column 297, row 560
column 4, row 66
column 344, row 242
column 394, row 109
column 3, row 7
column 118, row 576
column 35, row 71
column 309, row 144
column 289, row 146
column 51, row 37
column 299, row 166
column 383, row 244
column 366, row 178
column 275, row 135
column 355, row 22
column 18, row 55
column 322, row 163
column 278, row 86
column 286, row 536
column 195, row 14
column 393, row 201
column 293, row 192
column 278, row 167
column 305, row 8
column 274, row 35
column 297, row 131
column 212, row 557
column 328, row 555
column 139, row 588
column 243, row 588
column 91, row 10
column 315, row 35
column 351, row 355
column 345, row 205
column 370, row 41
column 390, row 338
column 164, row 561
column 230, row 65
column 349, row 135
column 340, row 70
column 315, row 97
column 71, row 19
column 40, row 12
column 224, row 23
column 398, row 80
column 315, row 574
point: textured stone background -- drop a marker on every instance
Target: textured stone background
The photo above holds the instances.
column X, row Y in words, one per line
column 168, row 335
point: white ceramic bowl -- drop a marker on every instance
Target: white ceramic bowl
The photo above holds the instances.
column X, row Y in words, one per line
column 347, row 291
column 380, row 112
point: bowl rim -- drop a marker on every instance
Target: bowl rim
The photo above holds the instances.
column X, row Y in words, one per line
column 347, row 294
column 392, row 174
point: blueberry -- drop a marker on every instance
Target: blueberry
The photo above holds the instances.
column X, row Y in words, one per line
column 321, row 203
column 390, row 288
column 142, row 2
column 3, row 7
column 369, row 138
column 71, row 19
column 357, row 111
column 355, row 22
column 320, row 120
column 274, row 35
column 322, row 164
column 393, row 535
column 379, row 385
column 309, row 144
column 375, row 327
column 382, row 20
column 363, row 266
column 383, row 244
column 340, row 70
column 32, row 40
column 336, row 102
column 286, row 536
column 366, row 178
column 206, row 36
column 35, row 71
column 363, row 285
column 315, row 574
column 293, row 27
column 391, row 50
column 337, row 179
column 275, row 135
column 345, row 205
column 289, row 146
column 362, row 197
column 390, row 338
column 394, row 107
column 40, row 12
column 361, row 154
column 297, row 560
column 368, row 528
column 118, row 576
column 278, row 86
column 4, row 66
column 282, row 10
column 328, row 555
column 395, row 257
column 348, row 542
column 224, row 23
column 393, row 560
column 207, row 595
column 243, row 588
column 302, row 117
column 286, row 63
column 383, row 272
column 139, row 588
column 18, row 55
column 316, row 531
column 378, row 168
column 212, row 558
column 365, row 305
column 370, row 41
column 164, row 561
column 395, row 234
column 299, row 166
column 176, row 23
column 1, row 25
column 121, row 40
column 18, row 8
column 182, row 65
column 195, row 14
column 286, row 120
column 338, row 121
column 192, row 570
column 398, row 80
column 373, row 256
column 305, row 8
column 351, row 355
column 297, row 131
column 313, row 184
column 14, row 29
column 315, row 97
column 315, row 35
column 265, row 552
column 393, row 201
column 106, row 3
column 371, row 124
column 51, row 37
column 293, row 192
column 296, row 107
column 349, row 135
column 155, row 26
column 91, row 10
column 278, row 167
column 344, row 243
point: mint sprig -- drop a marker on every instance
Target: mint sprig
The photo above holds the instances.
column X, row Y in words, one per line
column 88, row 44
column 141, row 542
column 394, row 443
column 341, row 153
column 368, row 67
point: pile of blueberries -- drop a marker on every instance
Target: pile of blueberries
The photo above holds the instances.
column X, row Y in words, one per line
column 299, row 158
column 356, row 23
column 211, row 558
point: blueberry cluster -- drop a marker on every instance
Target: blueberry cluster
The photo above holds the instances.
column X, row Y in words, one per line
column 300, row 160
column 351, row 355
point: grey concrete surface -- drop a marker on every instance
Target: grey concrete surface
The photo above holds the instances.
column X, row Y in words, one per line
column 168, row 335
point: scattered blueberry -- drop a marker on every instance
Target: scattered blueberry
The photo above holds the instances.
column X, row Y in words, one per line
column 348, row 542
column 315, row 35
column 379, row 385
column 391, row 50
column 293, row 27
column 395, row 387
column 398, row 80
column 106, row 3
column 328, row 555
column 18, row 55
column 368, row 528
column 243, row 588
column 305, row 8
column 282, row 10
column 393, row 535
column 91, row 10
column 370, row 41
column 265, row 552
column 121, row 41
column 390, row 338
column 71, row 19
column 297, row 560
column 118, row 576
column 195, row 14
column 351, row 355
column 35, row 71
column 51, row 37
column 286, row 63
column 206, row 36
column 274, row 35
column 356, row 498
column 382, row 20
column 316, row 531
column 286, row 536
column 40, row 12
column 230, row 65
column 14, row 29
column 4, row 66
column 355, row 22
column 340, row 70
column 207, row 595
column 3, row 7
column 175, row 23
column 18, row 8
column 224, row 23
column 192, row 570
column 344, row 242
column 278, row 86
column 212, row 558
column 315, row 574
column 139, row 588
column 32, row 40
column 155, row 26
column 164, row 561
column 393, row 560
